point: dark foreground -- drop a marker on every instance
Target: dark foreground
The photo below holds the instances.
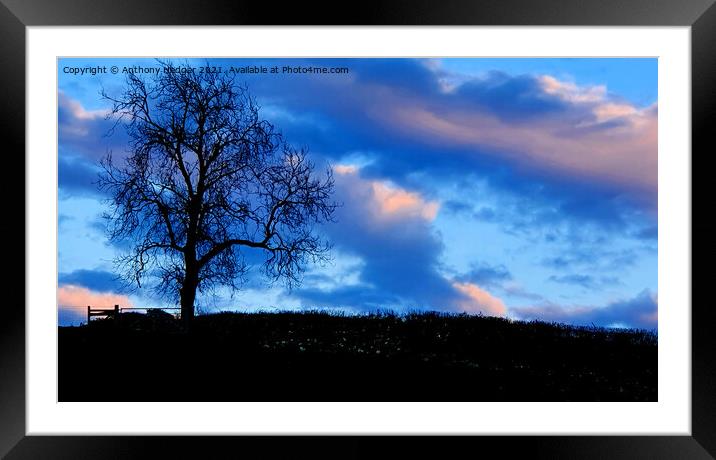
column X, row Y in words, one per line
column 323, row 357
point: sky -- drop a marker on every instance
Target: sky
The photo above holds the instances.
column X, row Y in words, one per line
column 522, row 188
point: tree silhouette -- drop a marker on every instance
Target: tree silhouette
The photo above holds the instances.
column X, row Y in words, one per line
column 205, row 176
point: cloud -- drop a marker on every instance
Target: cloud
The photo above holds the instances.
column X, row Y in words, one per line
column 63, row 219
column 586, row 281
column 88, row 133
column 389, row 201
column 72, row 109
column 570, row 92
column 590, row 255
column 345, row 169
column 647, row 233
column 496, row 278
column 623, row 155
column 84, row 137
column 486, row 274
column 509, row 98
column 558, row 143
column 388, row 229
column 640, row 311
column 479, row 300
column 514, row 289
column 550, row 152
column 533, row 122
column 392, row 201
column 358, row 298
column 95, row 280
column 77, row 177
column 610, row 111
column 72, row 301
column 71, row 295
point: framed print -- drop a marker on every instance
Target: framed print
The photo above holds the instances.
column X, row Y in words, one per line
column 241, row 222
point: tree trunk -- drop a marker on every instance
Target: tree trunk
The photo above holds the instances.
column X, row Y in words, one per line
column 190, row 283
column 187, row 296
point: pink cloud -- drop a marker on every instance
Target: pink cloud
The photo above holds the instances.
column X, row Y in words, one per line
column 77, row 110
column 75, row 120
column 386, row 200
column 570, row 92
column 595, row 137
column 70, row 295
column 625, row 154
column 476, row 299
column 386, row 207
column 84, row 132
column 345, row 169
column 610, row 111
column 396, row 201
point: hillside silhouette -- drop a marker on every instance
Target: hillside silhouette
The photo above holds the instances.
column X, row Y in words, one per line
column 319, row 356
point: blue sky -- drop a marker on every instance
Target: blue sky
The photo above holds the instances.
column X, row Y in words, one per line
column 523, row 188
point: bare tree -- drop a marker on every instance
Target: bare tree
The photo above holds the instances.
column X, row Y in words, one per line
column 205, row 176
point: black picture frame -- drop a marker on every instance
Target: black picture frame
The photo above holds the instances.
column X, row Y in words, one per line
column 700, row 15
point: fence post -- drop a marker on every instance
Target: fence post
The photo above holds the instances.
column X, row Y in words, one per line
column 88, row 314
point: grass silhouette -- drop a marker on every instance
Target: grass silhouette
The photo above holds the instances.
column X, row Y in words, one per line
column 313, row 356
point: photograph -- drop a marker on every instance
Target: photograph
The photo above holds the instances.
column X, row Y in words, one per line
column 357, row 229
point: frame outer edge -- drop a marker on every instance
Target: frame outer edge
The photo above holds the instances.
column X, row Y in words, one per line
column 703, row 362
column 12, row 118
column 12, row 319
column 385, row 12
